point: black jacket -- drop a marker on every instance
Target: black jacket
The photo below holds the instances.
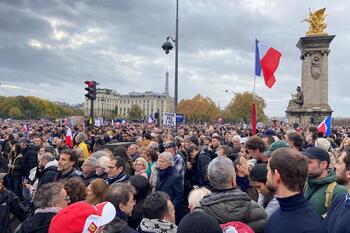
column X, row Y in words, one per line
column 37, row 223
column 73, row 173
column 118, row 225
column 48, row 176
column 9, row 204
column 199, row 169
column 29, row 160
column 172, row 185
column 87, row 179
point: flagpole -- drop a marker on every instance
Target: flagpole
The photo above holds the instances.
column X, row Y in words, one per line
column 253, row 120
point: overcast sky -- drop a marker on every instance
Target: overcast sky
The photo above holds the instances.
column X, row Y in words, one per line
column 48, row 48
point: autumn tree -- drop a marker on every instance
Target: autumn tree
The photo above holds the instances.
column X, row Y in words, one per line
column 135, row 113
column 240, row 107
column 199, row 109
column 33, row 108
column 15, row 113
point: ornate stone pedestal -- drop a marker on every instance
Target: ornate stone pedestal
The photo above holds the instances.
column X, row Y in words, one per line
column 314, row 82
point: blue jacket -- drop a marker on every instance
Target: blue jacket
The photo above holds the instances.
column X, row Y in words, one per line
column 338, row 216
column 295, row 215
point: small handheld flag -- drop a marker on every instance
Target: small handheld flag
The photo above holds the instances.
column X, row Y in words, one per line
column 325, row 126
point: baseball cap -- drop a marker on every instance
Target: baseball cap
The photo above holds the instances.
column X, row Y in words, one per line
column 274, row 146
column 82, row 217
column 170, row 144
column 317, row 153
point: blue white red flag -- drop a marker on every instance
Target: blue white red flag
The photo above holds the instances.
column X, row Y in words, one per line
column 150, row 119
column 325, row 126
column 267, row 60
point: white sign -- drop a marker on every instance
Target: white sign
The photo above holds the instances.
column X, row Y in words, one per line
column 169, row 119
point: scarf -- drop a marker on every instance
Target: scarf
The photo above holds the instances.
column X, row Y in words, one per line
column 157, row 226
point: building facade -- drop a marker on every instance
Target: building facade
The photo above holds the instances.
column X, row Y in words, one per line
column 104, row 105
column 109, row 104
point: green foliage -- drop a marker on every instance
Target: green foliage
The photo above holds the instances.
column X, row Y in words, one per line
column 31, row 107
column 240, row 107
column 135, row 113
column 15, row 113
column 199, row 109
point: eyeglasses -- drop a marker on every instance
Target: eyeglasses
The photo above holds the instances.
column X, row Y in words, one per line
column 67, row 199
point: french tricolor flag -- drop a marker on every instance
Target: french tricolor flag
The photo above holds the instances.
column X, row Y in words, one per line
column 267, row 60
column 69, row 138
column 325, row 126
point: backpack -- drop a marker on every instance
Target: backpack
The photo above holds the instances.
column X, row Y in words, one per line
column 329, row 194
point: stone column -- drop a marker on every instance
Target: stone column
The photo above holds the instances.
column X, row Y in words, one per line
column 314, row 75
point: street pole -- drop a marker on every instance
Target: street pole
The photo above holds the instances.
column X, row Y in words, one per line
column 176, row 54
column 91, row 121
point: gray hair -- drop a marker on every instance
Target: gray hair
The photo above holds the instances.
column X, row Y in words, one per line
column 168, row 156
column 221, row 172
column 196, row 195
column 80, row 137
column 104, row 162
column 153, row 145
column 99, row 154
column 91, row 161
column 47, row 195
column 47, row 156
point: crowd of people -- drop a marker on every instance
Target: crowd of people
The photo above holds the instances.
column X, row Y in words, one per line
column 138, row 178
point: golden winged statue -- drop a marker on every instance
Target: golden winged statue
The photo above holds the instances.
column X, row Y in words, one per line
column 316, row 20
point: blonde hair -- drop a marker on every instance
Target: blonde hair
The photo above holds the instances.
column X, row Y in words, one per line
column 143, row 161
column 196, row 196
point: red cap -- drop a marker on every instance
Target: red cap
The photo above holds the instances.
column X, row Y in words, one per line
column 82, row 217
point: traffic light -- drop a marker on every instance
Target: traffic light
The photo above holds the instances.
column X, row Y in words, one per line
column 91, row 90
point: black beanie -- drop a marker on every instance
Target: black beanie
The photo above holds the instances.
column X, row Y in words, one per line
column 199, row 222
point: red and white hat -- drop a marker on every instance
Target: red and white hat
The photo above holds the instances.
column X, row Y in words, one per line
column 82, row 217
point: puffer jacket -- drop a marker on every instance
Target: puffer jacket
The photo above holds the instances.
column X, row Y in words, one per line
column 234, row 205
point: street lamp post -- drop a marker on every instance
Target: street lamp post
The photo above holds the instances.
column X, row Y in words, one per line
column 167, row 46
column 102, row 103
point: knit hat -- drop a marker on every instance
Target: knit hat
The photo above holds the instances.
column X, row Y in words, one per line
column 274, row 146
column 82, row 217
column 317, row 153
column 259, row 172
column 323, row 143
column 199, row 222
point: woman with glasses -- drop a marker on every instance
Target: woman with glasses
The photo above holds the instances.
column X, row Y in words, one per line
column 140, row 167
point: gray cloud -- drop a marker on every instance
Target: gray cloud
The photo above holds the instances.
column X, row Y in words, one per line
column 48, row 48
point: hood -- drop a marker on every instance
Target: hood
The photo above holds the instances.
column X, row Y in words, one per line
column 227, row 206
column 323, row 181
column 31, row 147
column 53, row 163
